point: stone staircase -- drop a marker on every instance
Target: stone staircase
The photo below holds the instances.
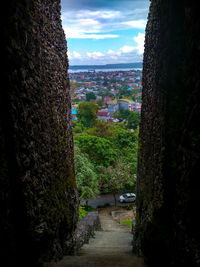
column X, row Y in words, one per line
column 110, row 247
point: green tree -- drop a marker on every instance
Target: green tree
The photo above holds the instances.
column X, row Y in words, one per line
column 117, row 115
column 125, row 143
column 125, row 113
column 90, row 96
column 113, row 179
column 122, row 138
column 100, row 102
column 133, row 120
column 86, row 176
column 123, row 92
column 134, row 95
column 78, row 127
column 73, row 87
column 101, row 129
column 87, row 114
column 105, row 83
column 99, row 150
column 122, row 114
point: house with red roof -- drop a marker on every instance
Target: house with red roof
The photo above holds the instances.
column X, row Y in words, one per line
column 103, row 115
column 138, row 110
column 107, row 99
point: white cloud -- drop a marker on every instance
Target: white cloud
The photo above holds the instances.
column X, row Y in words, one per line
column 95, row 55
column 139, row 24
column 88, row 22
column 105, row 14
column 115, row 58
column 73, row 55
column 139, row 39
column 111, row 52
column 123, row 49
column 127, row 49
column 69, row 55
column 139, row 48
column 83, row 34
column 85, row 24
column 124, row 54
column 97, row 36
column 76, row 54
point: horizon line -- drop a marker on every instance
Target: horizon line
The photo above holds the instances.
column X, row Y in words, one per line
column 140, row 62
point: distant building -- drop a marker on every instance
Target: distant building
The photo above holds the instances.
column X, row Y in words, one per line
column 107, row 99
column 138, row 110
column 112, row 107
column 124, row 104
column 115, row 120
column 114, row 92
column 74, row 112
column 81, row 96
column 136, row 106
column 103, row 115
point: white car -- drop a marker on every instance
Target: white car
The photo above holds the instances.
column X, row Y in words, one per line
column 127, row 197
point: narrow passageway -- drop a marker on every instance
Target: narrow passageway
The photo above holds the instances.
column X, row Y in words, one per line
column 110, row 247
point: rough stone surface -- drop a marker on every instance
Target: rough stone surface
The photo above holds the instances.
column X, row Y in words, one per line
column 38, row 190
column 86, row 228
column 167, row 227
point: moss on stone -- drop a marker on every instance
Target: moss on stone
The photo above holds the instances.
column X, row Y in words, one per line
column 169, row 140
column 39, row 185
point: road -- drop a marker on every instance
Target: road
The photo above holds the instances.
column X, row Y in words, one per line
column 106, row 199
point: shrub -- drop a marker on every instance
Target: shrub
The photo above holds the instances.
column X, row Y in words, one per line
column 89, row 208
column 82, row 212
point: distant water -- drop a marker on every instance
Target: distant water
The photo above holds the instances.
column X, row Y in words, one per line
column 102, row 70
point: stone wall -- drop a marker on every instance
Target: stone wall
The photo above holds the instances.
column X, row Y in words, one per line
column 166, row 231
column 38, row 190
column 86, row 228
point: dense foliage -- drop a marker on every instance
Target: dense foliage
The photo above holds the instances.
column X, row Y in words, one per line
column 105, row 152
column 86, row 176
column 87, row 113
column 132, row 118
column 90, row 96
column 99, row 150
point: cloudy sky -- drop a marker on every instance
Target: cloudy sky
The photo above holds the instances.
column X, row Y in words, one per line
column 104, row 31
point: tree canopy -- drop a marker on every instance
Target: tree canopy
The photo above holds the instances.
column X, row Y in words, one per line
column 87, row 113
column 86, row 176
column 90, row 96
column 133, row 120
column 99, row 150
column 113, row 179
column 106, row 157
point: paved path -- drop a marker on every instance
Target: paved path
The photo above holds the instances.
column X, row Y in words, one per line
column 110, row 247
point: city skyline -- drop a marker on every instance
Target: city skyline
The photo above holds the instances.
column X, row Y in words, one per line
column 104, row 32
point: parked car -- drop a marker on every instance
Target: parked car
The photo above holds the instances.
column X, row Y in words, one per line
column 127, row 197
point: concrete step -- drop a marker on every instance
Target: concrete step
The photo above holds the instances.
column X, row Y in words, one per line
column 119, row 260
column 111, row 247
column 109, row 240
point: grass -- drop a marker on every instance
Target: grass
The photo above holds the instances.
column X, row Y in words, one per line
column 127, row 222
